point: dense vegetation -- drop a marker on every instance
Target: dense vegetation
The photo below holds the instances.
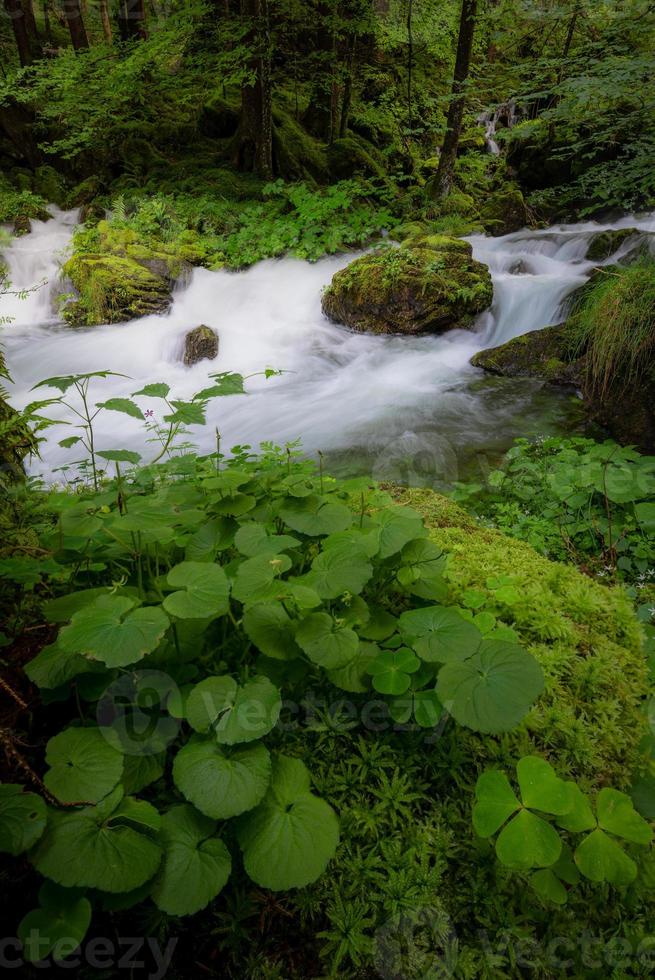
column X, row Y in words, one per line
column 285, row 726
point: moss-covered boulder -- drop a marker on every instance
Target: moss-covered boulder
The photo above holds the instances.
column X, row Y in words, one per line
column 200, row 344
column 111, row 289
column 353, row 156
column 429, row 285
column 543, row 354
column 606, row 243
column 118, row 276
column 504, row 211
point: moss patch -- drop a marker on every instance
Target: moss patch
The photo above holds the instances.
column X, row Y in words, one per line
column 606, row 243
column 428, row 285
column 542, row 354
column 504, row 211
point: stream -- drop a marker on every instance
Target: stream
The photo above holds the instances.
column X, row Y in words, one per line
column 403, row 408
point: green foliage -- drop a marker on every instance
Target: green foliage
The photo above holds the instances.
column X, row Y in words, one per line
column 530, row 840
column 614, row 326
column 575, row 499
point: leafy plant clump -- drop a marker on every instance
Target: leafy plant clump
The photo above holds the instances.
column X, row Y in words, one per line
column 189, row 598
column 575, row 499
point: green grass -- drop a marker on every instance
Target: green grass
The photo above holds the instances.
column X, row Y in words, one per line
column 615, row 325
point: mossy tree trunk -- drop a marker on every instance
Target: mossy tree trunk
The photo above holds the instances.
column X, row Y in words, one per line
column 253, row 146
column 446, row 169
column 16, row 14
column 132, row 20
column 75, row 21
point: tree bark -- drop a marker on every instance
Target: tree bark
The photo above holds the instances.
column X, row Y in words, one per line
column 16, row 14
column 75, row 21
column 445, row 171
column 106, row 22
column 320, row 116
column 254, row 138
column 132, row 20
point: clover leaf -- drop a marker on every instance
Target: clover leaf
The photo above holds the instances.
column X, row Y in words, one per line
column 599, row 857
column 391, row 670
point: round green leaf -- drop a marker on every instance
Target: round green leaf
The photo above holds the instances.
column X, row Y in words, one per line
column 87, row 849
column 541, row 787
column 439, row 634
column 495, row 802
column 112, row 631
column 579, row 816
column 527, row 841
column 288, row 840
column 339, row 569
column 196, row 864
column 22, row 819
column 203, row 591
column 600, row 858
column 493, row 690
column 616, row 813
column 83, row 766
column 222, row 783
column 398, row 526
column 272, row 630
column 208, row 700
column 315, row 515
column 253, row 539
column 326, row 643
column 59, row 925
column 548, row 887
column 258, row 579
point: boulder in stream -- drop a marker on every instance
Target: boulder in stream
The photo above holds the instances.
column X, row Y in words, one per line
column 200, row 344
column 429, row 284
column 545, row 354
column 606, row 243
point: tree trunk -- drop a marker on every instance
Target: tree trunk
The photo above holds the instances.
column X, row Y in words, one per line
column 132, row 20
column 75, row 23
column 445, row 171
column 320, row 116
column 254, row 138
column 30, row 20
column 16, row 14
column 106, row 22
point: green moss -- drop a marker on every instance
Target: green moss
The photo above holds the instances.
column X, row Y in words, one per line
column 50, row 185
column 353, row 156
column 112, row 289
column 297, row 155
column 542, row 354
column 418, row 288
column 504, row 211
column 605, row 243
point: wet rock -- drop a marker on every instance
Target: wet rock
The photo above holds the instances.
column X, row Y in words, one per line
column 429, row 285
column 112, row 289
column 606, row 243
column 22, row 225
column 547, row 355
column 504, row 211
column 200, row 344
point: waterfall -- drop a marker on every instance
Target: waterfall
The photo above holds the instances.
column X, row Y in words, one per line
column 506, row 113
column 400, row 407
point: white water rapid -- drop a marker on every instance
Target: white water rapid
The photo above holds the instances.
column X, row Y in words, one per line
column 402, row 408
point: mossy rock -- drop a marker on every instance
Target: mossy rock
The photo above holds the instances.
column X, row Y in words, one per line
column 606, row 243
column 352, row 156
column 415, row 289
column 504, row 211
column 296, row 154
column 545, row 355
column 112, row 289
column 49, row 184
column 200, row 344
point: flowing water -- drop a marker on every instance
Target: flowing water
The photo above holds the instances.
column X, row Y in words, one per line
column 405, row 408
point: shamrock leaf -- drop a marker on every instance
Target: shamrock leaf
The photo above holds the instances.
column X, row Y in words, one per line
column 391, row 669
